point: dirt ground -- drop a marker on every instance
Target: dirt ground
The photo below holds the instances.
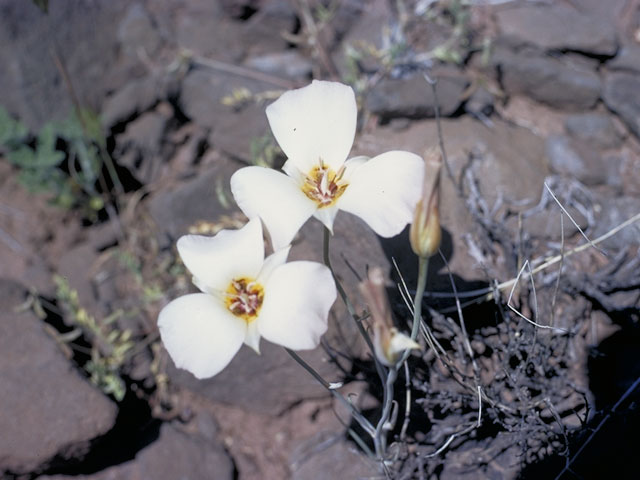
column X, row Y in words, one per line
column 120, row 126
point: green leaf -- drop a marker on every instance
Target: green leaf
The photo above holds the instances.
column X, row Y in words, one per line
column 22, row 157
column 12, row 131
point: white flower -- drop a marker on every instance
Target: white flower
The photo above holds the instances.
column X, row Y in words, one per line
column 245, row 297
column 315, row 127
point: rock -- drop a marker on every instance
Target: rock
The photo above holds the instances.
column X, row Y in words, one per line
column 597, row 129
column 289, row 63
column 262, row 32
column 143, row 141
column 136, row 32
column 571, row 158
column 175, row 455
column 555, row 82
column 412, row 97
column 562, row 26
column 327, row 456
column 243, row 134
column 621, row 96
column 195, row 200
column 611, row 212
column 628, row 58
column 48, row 409
column 203, row 91
column 80, row 34
column 136, row 97
column 201, row 28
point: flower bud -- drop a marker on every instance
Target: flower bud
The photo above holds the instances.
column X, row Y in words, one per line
column 388, row 342
column 425, row 233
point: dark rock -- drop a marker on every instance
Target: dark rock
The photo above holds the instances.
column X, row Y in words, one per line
column 80, row 33
column 595, row 128
column 175, row 455
column 240, row 134
column 571, row 158
column 412, row 97
column 262, row 33
column 555, row 82
column 273, row 377
column 195, row 200
column 201, row 28
column 328, row 456
column 136, row 97
column 612, row 212
column 204, row 89
column 480, row 103
column 621, row 96
column 143, row 141
column 48, row 408
column 136, row 32
column 562, row 26
column 289, row 63
column 628, row 58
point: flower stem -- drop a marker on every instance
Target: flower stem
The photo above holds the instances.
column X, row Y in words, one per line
column 380, row 439
column 364, row 423
column 423, row 268
column 350, row 308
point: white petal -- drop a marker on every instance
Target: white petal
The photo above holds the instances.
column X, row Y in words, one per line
column 297, row 300
column 252, row 338
column 215, row 261
column 327, row 215
column 276, row 198
column 200, row 334
column 272, row 262
column 317, row 121
column 384, row 191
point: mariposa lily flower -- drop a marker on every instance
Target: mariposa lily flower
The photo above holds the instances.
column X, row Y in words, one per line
column 315, row 127
column 244, row 297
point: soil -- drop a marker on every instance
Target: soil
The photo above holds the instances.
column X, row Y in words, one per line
column 536, row 106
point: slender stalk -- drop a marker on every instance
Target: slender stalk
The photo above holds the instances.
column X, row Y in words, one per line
column 380, row 439
column 350, row 308
column 364, row 423
column 423, row 268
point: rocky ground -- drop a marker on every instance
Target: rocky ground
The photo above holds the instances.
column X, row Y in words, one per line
column 530, row 93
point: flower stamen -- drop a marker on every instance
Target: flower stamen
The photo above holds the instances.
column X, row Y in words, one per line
column 323, row 185
column 244, row 298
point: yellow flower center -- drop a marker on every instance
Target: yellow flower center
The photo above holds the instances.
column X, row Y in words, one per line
column 323, row 185
column 244, row 298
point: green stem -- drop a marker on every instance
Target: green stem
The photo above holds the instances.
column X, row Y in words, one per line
column 423, row 268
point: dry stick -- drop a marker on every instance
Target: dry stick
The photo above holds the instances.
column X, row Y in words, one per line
column 556, row 288
column 573, row 221
column 624, row 396
column 463, row 325
column 242, row 71
column 486, row 294
column 535, row 300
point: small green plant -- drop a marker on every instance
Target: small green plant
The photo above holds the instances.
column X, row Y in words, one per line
column 64, row 160
column 110, row 346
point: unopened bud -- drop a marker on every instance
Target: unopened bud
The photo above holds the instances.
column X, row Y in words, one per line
column 425, row 234
column 388, row 342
